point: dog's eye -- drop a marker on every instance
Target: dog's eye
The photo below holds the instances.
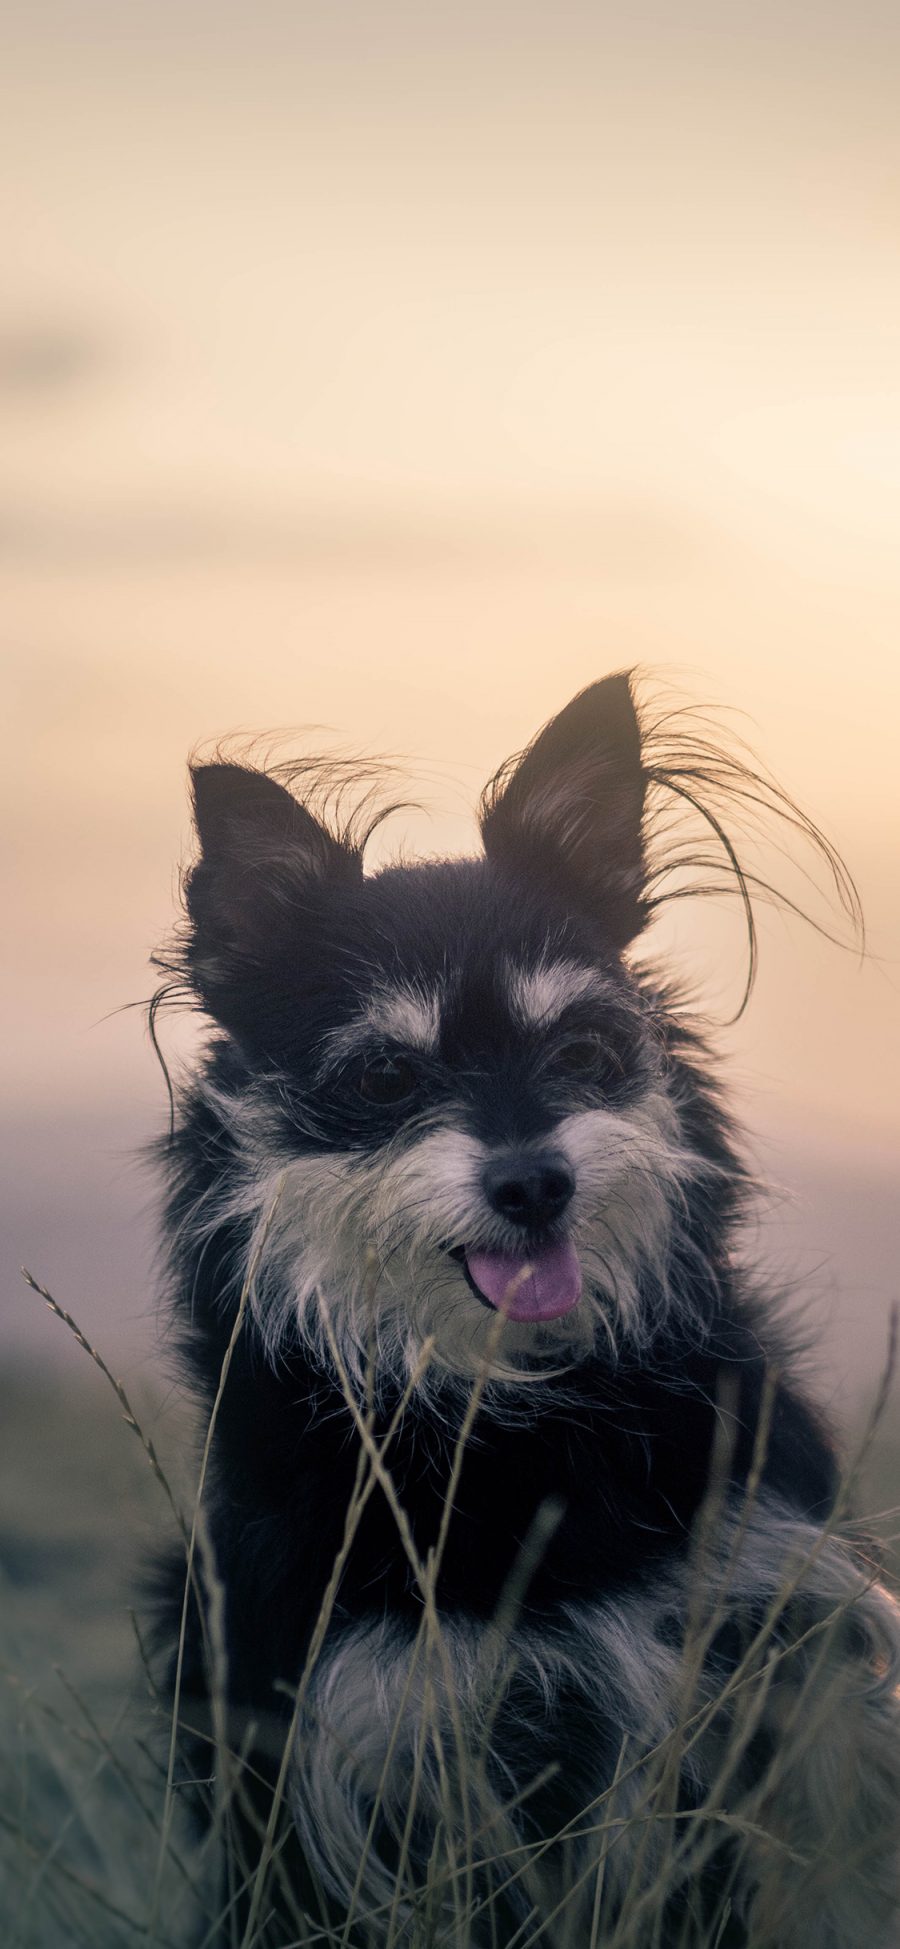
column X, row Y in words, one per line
column 387, row 1079
column 587, row 1059
column 581, row 1058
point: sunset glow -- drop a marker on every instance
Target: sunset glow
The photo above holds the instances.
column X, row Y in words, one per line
column 385, row 377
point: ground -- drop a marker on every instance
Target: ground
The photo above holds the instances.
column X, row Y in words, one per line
column 82, row 1760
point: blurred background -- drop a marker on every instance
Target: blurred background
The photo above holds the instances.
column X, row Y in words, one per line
column 382, row 374
column 379, row 375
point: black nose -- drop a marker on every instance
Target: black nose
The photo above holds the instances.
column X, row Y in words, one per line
column 529, row 1191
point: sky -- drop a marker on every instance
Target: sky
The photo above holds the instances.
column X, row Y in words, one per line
column 378, row 376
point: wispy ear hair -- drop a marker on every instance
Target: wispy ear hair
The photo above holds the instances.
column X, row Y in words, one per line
column 276, row 822
column 693, row 796
column 697, row 777
column 350, row 796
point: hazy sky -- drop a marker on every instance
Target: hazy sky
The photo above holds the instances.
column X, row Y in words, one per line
column 399, row 370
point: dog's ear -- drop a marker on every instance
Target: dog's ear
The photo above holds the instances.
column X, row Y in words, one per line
column 571, row 808
column 262, row 858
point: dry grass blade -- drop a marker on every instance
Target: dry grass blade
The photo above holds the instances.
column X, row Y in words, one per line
column 566, row 1888
column 237, row 1327
column 128, row 1414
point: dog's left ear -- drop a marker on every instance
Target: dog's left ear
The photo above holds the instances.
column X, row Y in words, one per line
column 571, row 807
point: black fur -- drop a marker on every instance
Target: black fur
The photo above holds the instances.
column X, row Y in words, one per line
column 286, row 938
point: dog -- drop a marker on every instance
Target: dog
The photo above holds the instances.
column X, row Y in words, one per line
column 521, row 1609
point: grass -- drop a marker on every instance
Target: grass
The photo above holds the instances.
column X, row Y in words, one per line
column 94, row 1847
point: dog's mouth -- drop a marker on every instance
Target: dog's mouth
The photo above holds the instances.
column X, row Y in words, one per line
column 542, row 1284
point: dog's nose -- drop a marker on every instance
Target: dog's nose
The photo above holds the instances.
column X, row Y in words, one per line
column 529, row 1191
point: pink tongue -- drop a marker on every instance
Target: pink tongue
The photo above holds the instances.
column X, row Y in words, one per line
column 529, row 1286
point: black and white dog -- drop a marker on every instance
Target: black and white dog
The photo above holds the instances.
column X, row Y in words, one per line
column 537, row 1623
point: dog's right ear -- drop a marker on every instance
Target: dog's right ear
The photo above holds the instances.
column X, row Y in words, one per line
column 262, row 858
